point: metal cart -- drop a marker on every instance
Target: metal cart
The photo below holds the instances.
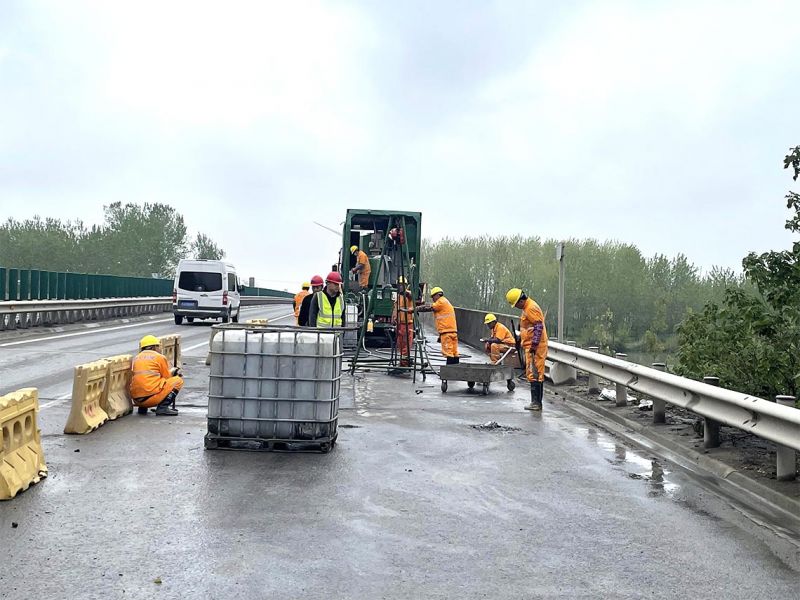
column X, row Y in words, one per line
column 477, row 373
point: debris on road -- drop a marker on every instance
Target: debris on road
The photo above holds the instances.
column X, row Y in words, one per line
column 645, row 404
column 494, row 426
column 611, row 395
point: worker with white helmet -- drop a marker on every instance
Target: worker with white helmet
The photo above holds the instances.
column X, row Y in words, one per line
column 153, row 382
column 534, row 342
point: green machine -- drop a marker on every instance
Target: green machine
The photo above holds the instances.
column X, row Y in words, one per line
column 391, row 239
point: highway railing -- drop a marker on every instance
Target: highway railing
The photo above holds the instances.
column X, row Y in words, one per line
column 777, row 421
column 38, row 313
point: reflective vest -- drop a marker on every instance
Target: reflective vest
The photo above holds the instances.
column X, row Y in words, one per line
column 445, row 316
column 327, row 316
column 149, row 373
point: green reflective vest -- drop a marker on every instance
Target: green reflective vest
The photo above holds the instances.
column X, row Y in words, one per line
column 329, row 316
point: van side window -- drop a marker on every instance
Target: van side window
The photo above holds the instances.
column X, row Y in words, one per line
column 231, row 282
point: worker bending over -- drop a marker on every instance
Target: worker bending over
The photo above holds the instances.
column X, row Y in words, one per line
column 534, row 343
column 298, row 300
column 153, row 382
column 305, row 305
column 445, row 319
column 327, row 307
column 403, row 321
column 362, row 267
column 500, row 339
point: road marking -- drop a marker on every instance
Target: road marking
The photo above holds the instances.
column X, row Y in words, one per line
column 56, row 401
column 94, row 331
column 206, row 342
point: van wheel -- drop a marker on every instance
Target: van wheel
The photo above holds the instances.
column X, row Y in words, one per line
column 190, row 319
column 226, row 317
column 178, row 319
column 236, row 318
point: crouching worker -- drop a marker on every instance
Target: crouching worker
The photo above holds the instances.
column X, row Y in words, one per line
column 500, row 339
column 153, row 383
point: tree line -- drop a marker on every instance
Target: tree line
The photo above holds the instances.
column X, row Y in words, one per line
column 134, row 240
column 615, row 296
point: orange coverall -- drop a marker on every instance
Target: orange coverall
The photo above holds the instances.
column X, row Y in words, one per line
column 298, row 300
column 497, row 349
column 445, row 318
column 405, row 327
column 534, row 340
column 363, row 275
column 151, row 380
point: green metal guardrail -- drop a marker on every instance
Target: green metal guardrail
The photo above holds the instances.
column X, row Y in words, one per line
column 33, row 284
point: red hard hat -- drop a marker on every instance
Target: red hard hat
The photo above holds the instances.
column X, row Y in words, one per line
column 316, row 280
column 334, row 277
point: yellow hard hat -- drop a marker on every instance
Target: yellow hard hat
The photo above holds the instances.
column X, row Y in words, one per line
column 436, row 290
column 512, row 296
column 353, row 249
column 305, row 285
column 402, row 280
column 149, row 340
column 489, row 318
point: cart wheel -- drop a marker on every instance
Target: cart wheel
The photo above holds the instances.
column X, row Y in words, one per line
column 511, row 385
column 325, row 447
column 470, row 384
column 485, row 389
column 444, row 386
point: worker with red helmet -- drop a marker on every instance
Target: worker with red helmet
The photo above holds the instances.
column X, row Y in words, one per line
column 305, row 305
column 327, row 307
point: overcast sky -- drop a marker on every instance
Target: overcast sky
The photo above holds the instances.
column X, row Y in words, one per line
column 663, row 124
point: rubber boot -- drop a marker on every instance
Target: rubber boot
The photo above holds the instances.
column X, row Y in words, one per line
column 452, row 360
column 536, row 401
column 541, row 394
column 165, row 407
column 141, row 410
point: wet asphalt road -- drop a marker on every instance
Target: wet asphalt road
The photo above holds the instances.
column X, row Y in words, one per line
column 412, row 503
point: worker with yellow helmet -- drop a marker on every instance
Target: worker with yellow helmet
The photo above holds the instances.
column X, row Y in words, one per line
column 298, row 299
column 403, row 320
column 500, row 339
column 362, row 267
column 534, row 342
column 445, row 319
column 153, row 382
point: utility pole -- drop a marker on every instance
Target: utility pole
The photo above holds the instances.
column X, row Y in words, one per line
column 560, row 259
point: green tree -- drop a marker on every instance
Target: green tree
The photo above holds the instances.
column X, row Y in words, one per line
column 203, row 247
column 751, row 339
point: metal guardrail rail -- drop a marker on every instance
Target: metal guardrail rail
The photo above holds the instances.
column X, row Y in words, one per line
column 36, row 313
column 766, row 419
column 771, row 421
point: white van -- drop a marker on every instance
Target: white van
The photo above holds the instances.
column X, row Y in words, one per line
column 206, row 289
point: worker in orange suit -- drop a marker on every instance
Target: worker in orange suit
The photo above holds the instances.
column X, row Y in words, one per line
column 534, row 342
column 500, row 339
column 153, row 382
column 298, row 300
column 445, row 319
column 403, row 321
column 362, row 267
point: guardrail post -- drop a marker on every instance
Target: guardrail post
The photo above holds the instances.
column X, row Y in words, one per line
column 786, row 462
column 622, row 389
column 710, row 427
column 594, row 380
column 659, row 406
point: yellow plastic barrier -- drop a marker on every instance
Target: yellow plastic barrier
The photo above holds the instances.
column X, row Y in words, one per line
column 21, row 456
column 116, row 398
column 171, row 348
column 88, row 387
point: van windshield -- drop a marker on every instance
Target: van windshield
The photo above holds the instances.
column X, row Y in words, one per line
column 198, row 281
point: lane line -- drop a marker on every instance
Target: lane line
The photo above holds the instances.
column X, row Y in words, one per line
column 94, row 331
column 206, row 342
